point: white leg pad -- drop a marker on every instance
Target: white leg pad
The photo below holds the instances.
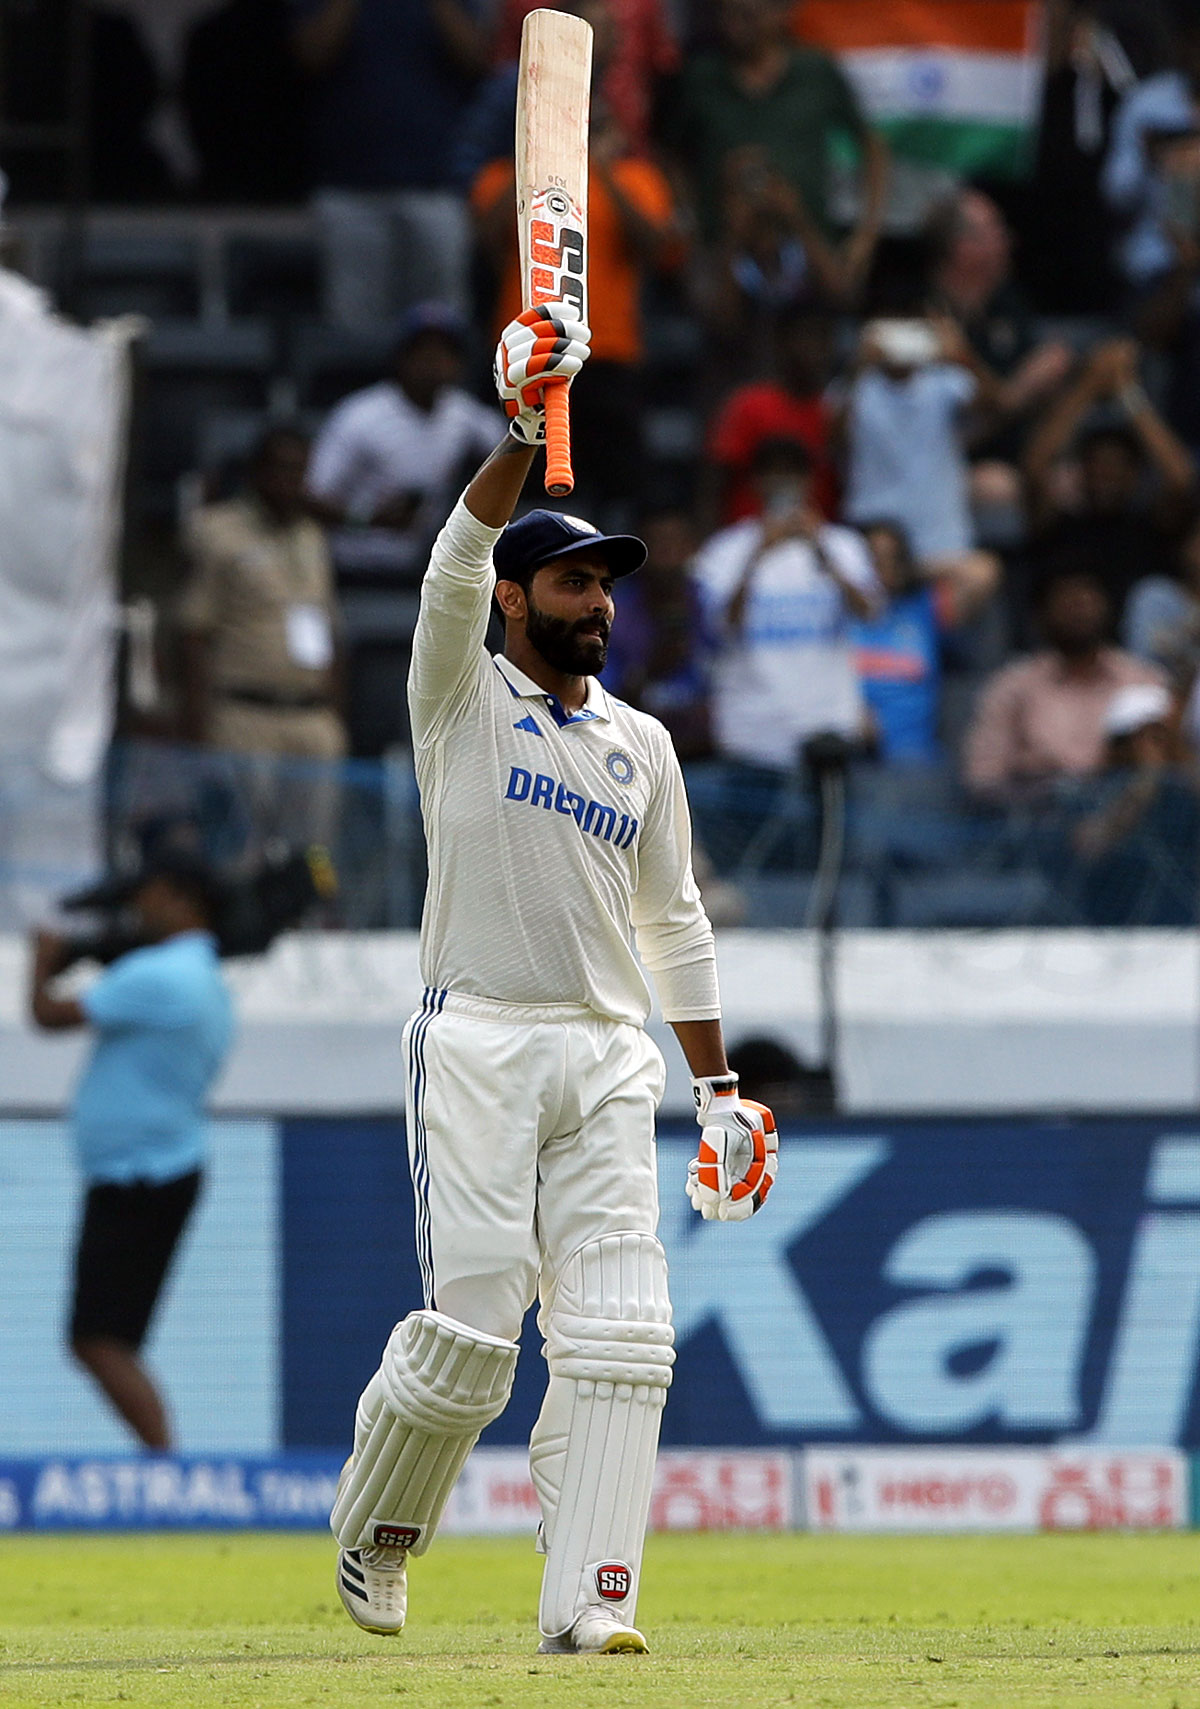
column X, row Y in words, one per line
column 609, row 1345
column 422, row 1412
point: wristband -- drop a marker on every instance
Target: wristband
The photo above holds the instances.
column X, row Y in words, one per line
column 708, row 1088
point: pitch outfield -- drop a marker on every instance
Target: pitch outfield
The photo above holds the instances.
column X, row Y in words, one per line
column 928, row 1623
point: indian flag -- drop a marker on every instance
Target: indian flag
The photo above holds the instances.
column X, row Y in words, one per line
column 952, row 83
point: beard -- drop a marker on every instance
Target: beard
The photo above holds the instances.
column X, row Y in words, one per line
column 564, row 646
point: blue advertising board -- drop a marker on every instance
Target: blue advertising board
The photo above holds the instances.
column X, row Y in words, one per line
column 176, row 1492
column 986, row 1282
column 959, row 1282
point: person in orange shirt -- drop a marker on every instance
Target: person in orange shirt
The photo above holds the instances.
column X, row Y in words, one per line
column 632, row 231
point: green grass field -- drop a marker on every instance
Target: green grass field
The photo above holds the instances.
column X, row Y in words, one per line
column 843, row 1622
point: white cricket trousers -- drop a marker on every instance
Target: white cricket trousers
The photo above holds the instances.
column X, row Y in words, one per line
column 530, row 1133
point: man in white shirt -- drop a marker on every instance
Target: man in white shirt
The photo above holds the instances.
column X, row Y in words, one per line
column 557, row 828
column 384, row 472
column 780, row 592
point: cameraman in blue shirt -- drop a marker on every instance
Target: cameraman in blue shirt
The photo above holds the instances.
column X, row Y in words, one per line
column 163, row 1022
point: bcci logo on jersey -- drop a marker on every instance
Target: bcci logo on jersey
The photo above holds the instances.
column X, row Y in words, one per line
column 620, row 767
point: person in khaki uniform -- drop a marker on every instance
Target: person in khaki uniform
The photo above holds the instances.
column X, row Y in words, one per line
column 262, row 674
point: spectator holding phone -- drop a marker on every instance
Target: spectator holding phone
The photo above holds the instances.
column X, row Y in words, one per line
column 972, row 280
column 779, row 591
column 918, row 383
column 770, row 264
column 761, row 87
column 1109, row 484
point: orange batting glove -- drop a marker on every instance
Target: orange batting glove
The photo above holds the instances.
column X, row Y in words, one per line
column 738, row 1156
column 546, row 342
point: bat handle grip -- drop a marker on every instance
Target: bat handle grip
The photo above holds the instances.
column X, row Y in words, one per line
column 560, row 477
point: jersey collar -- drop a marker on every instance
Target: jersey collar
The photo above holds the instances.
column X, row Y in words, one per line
column 521, row 687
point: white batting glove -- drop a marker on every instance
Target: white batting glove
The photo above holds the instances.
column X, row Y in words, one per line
column 738, row 1154
column 546, row 342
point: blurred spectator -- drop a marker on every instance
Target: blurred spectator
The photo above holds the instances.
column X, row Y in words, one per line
column 1162, row 615
column 1139, row 848
column 262, row 673
column 1168, row 320
column 779, row 593
column 1043, row 717
column 657, row 659
column 907, row 415
column 1153, row 177
column 971, row 275
column 631, row 233
column 644, row 51
column 1066, row 225
column 772, row 261
column 792, row 404
column 1107, row 516
column 385, row 470
column 897, row 652
column 389, row 83
column 1152, row 171
column 760, row 90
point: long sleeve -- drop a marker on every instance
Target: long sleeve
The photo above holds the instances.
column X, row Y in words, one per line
column 674, row 937
column 448, row 649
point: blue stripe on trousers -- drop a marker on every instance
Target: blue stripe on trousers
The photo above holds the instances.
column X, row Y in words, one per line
column 431, row 1004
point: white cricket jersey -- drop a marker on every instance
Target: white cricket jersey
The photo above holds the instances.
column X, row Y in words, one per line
column 552, row 836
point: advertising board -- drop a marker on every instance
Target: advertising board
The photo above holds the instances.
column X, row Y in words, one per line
column 987, row 1489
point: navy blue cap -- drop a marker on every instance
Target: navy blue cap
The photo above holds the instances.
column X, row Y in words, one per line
column 430, row 317
column 544, row 535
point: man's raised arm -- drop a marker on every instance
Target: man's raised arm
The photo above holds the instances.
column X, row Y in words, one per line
column 540, row 344
column 492, row 495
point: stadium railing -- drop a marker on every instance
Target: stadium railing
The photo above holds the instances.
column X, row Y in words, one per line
column 917, row 851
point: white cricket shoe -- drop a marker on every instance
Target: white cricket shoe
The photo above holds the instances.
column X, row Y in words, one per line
column 596, row 1632
column 373, row 1586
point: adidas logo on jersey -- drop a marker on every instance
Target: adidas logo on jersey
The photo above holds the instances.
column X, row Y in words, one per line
column 595, row 817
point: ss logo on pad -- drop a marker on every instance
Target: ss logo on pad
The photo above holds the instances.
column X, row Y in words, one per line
column 614, row 1581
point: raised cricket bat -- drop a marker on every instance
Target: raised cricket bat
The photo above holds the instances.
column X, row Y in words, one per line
column 553, row 97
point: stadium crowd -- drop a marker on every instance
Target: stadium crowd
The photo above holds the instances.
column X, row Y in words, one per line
column 926, row 483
